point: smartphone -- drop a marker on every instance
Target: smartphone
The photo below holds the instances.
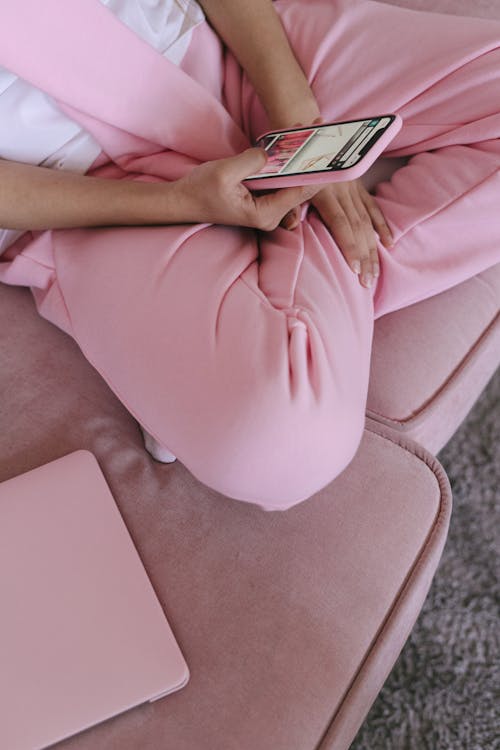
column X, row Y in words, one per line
column 331, row 152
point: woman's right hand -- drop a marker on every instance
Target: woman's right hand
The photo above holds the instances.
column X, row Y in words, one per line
column 38, row 198
column 213, row 192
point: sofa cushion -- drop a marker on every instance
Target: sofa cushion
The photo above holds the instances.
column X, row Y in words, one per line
column 430, row 361
column 289, row 622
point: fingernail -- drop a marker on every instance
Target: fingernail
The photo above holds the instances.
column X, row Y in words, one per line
column 376, row 270
column 356, row 266
column 368, row 279
column 292, row 218
column 290, row 222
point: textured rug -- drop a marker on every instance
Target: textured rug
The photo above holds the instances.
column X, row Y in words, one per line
column 444, row 691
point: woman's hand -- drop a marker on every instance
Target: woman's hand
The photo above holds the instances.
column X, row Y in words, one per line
column 352, row 216
column 255, row 34
column 213, row 192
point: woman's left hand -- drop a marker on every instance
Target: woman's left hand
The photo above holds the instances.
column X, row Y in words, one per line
column 352, row 216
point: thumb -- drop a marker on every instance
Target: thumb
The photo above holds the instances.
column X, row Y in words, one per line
column 279, row 203
column 287, row 199
column 291, row 219
column 248, row 162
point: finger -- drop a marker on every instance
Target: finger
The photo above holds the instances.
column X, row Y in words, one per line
column 372, row 262
column 358, row 227
column 291, row 219
column 335, row 218
column 316, row 121
column 243, row 165
column 378, row 219
column 274, row 206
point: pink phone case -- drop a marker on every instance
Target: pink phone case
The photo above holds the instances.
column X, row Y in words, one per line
column 341, row 175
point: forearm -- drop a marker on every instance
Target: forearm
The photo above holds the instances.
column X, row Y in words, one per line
column 211, row 193
column 39, row 198
column 254, row 33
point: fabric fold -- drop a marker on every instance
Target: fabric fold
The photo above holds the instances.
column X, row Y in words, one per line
column 128, row 84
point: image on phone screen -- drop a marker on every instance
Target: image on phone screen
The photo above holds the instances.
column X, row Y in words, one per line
column 316, row 149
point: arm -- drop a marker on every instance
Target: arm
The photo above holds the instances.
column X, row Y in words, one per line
column 37, row 198
column 254, row 33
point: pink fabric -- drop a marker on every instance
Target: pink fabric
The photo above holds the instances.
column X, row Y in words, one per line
column 425, row 378
column 247, row 353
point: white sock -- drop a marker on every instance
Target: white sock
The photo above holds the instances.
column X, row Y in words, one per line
column 156, row 450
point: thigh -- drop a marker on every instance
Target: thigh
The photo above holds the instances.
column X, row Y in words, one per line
column 440, row 72
column 254, row 375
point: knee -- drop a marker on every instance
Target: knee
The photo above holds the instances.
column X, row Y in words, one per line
column 280, row 461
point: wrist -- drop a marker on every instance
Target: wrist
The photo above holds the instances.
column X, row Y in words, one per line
column 155, row 203
column 304, row 110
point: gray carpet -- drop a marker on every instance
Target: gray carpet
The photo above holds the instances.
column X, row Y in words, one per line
column 444, row 691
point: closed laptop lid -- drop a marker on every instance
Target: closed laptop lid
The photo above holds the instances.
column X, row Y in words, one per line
column 82, row 634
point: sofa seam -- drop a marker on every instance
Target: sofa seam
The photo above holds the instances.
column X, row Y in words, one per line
column 442, row 480
column 443, row 483
column 444, row 387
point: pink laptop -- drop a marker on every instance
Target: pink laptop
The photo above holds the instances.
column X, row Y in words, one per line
column 83, row 636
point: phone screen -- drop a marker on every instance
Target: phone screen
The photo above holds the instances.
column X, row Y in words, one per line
column 320, row 148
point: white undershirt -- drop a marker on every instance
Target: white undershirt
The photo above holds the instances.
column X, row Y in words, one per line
column 32, row 128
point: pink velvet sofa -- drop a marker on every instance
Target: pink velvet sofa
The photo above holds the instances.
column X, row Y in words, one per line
column 290, row 622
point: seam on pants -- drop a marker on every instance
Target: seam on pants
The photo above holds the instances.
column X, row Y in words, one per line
column 33, row 260
column 63, row 299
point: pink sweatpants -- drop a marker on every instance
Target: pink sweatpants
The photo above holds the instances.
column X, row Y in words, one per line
column 247, row 353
